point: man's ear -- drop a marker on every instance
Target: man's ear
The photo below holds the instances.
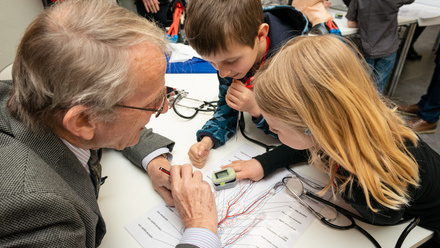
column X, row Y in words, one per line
column 77, row 122
column 263, row 31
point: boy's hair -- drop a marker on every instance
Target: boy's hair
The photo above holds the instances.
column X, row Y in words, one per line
column 318, row 82
column 211, row 25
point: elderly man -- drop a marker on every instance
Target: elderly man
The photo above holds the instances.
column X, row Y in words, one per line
column 87, row 75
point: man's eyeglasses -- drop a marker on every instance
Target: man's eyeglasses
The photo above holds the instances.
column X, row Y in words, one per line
column 158, row 111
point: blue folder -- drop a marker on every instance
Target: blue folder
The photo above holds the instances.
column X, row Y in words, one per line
column 195, row 65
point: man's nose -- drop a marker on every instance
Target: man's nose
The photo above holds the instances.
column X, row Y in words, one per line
column 165, row 107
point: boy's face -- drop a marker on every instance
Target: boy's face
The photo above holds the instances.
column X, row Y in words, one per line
column 235, row 62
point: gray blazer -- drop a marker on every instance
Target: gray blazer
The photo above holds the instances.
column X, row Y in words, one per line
column 46, row 197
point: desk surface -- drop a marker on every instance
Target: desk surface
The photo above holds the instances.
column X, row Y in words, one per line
column 127, row 193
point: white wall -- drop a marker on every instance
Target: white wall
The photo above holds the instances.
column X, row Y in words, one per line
column 15, row 16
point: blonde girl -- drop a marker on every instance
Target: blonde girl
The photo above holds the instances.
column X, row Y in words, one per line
column 317, row 96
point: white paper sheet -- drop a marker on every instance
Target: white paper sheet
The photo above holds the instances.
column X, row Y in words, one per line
column 181, row 53
column 252, row 214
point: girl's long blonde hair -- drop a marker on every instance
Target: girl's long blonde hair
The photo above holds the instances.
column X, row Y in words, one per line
column 320, row 83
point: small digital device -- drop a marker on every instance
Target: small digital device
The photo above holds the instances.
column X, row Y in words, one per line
column 224, row 179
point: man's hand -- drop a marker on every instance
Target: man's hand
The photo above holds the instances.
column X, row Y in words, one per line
column 161, row 181
column 152, row 6
column 242, row 99
column 193, row 198
column 198, row 153
column 249, row 169
column 315, row 10
column 352, row 24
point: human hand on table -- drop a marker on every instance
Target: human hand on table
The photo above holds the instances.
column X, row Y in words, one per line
column 247, row 169
column 152, row 6
column 242, row 99
column 161, row 181
column 193, row 198
column 198, row 153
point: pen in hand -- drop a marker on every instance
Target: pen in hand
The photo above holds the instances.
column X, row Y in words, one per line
column 164, row 170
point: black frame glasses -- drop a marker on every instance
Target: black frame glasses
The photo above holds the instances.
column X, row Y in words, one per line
column 158, row 111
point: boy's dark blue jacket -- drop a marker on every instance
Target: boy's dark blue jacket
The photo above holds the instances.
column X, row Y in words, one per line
column 285, row 22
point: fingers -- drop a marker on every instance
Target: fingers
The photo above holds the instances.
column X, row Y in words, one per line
column 240, row 98
column 197, row 176
column 166, row 195
column 193, row 198
column 151, row 6
column 198, row 162
column 247, row 169
column 198, row 153
column 237, row 166
column 155, row 7
column 160, row 180
column 198, row 156
column 179, row 173
column 202, row 149
column 175, row 175
column 236, row 89
column 186, row 171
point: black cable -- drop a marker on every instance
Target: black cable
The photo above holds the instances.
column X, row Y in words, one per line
column 368, row 235
column 242, row 125
column 406, row 231
column 210, row 107
column 347, row 213
column 181, row 115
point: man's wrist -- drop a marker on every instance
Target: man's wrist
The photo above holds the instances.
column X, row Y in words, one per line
column 200, row 237
column 153, row 155
column 156, row 163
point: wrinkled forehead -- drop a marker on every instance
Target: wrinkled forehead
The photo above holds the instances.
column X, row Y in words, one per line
column 147, row 70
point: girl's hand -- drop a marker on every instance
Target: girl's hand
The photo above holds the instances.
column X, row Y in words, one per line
column 247, row 169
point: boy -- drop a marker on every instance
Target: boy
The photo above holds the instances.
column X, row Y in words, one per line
column 236, row 42
column 377, row 23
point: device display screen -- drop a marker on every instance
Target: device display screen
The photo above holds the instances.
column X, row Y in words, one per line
column 221, row 174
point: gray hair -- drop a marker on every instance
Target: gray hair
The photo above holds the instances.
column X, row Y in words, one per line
column 77, row 53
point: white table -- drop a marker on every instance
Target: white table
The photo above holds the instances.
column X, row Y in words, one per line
column 128, row 194
column 427, row 12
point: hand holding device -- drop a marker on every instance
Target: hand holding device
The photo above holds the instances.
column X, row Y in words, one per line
column 247, row 169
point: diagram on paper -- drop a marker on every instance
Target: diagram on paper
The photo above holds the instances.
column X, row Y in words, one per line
column 252, row 214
